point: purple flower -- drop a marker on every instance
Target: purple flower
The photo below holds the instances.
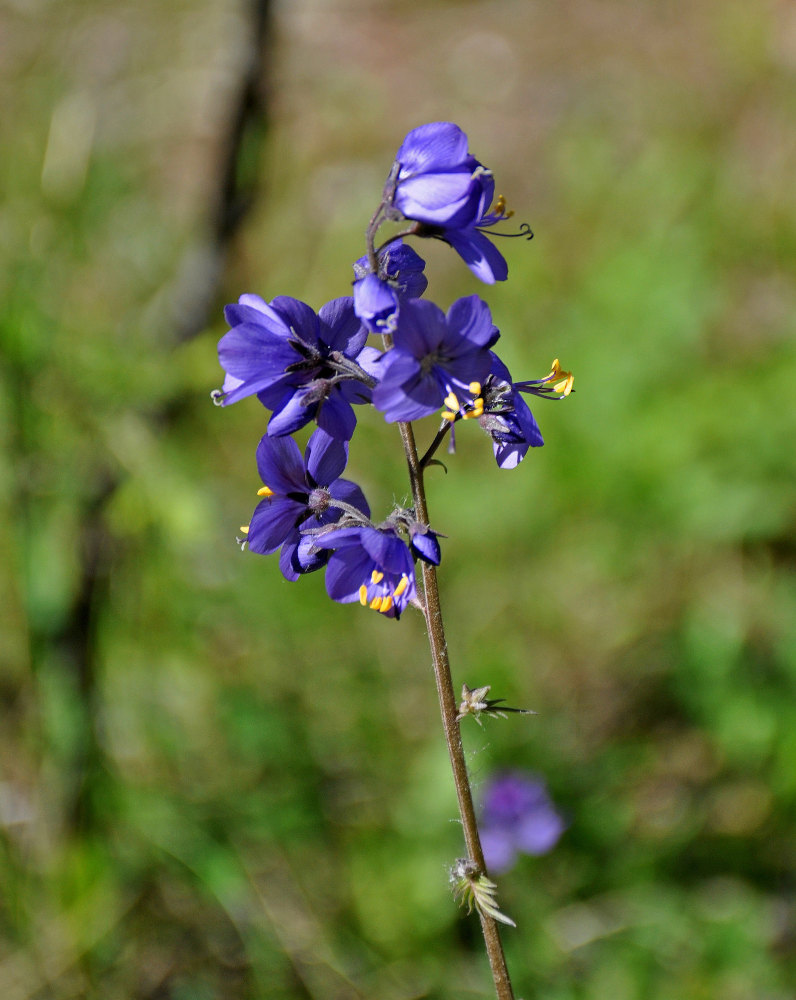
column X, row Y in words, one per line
column 302, row 366
column 507, row 418
column 300, row 492
column 377, row 297
column 518, row 818
column 437, row 183
column 372, row 565
column 433, row 356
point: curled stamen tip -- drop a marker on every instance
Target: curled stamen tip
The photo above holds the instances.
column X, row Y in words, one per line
column 217, row 395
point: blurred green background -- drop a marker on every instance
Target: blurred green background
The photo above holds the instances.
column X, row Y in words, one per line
column 214, row 784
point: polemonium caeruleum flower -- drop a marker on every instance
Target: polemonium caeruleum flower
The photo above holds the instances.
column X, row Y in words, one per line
column 300, row 492
column 377, row 297
column 506, row 418
column 518, row 818
column 372, row 565
column 302, row 366
column 437, row 183
column 434, row 355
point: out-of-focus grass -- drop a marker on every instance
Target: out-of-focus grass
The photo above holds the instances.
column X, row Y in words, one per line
column 216, row 784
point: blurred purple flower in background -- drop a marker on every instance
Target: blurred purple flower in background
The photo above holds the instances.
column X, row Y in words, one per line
column 518, row 817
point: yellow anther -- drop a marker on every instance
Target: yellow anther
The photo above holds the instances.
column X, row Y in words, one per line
column 376, row 576
column 477, row 410
column 564, row 386
column 363, row 595
column 402, row 585
column 500, row 208
column 266, row 491
column 245, row 529
column 447, row 415
column 375, row 604
column 475, row 388
column 452, row 402
column 386, row 604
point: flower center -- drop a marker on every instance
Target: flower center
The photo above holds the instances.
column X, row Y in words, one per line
column 380, row 594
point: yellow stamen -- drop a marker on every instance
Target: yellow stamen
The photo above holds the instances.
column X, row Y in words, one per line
column 245, row 529
column 564, row 386
column 475, row 388
column 363, row 595
column 401, row 586
column 386, row 604
column 452, row 402
column 500, row 208
column 376, row 576
column 375, row 604
column 447, row 415
column 266, row 491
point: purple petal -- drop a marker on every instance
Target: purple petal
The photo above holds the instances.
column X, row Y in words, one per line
column 326, row 457
column 437, row 198
column 341, row 329
column 255, row 355
column 290, row 415
column 500, row 853
column 298, row 316
column 479, row 254
column 427, row 547
column 350, row 493
column 470, row 317
column 295, row 560
column 280, row 465
column 348, row 569
column 272, row 522
column 540, row 831
column 421, row 328
column 432, row 146
column 336, row 416
column 375, row 302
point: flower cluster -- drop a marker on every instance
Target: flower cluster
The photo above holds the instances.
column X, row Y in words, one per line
column 316, row 368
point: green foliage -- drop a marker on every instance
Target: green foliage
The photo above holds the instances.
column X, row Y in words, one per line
column 214, row 784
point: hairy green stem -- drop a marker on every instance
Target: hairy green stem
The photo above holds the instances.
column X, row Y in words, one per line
column 448, row 707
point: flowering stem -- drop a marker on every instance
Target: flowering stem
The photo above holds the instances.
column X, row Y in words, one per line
column 447, row 701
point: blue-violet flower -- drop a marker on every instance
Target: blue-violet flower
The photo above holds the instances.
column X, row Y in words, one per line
column 301, row 366
column 372, row 565
column 506, row 418
column 300, row 492
column 518, row 818
column 377, row 297
column 434, row 355
column 437, row 183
